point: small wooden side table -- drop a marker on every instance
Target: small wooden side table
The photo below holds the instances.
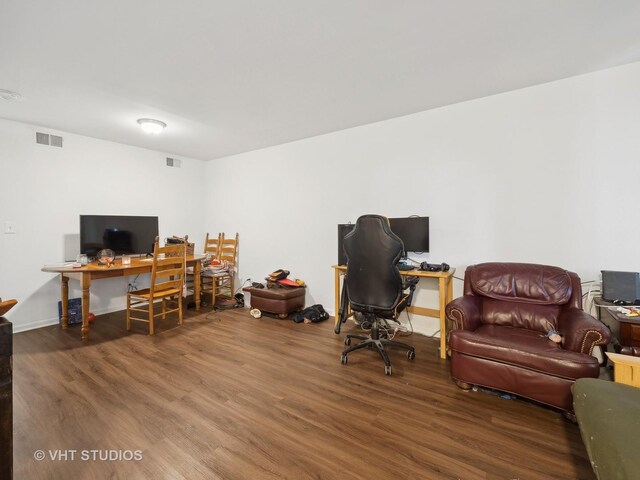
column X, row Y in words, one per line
column 626, row 369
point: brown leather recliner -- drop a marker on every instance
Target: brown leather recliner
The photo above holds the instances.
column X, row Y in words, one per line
column 498, row 332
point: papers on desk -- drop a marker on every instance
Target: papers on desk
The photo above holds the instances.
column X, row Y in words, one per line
column 63, row 265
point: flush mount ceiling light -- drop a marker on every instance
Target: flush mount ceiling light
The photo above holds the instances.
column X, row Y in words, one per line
column 9, row 95
column 151, row 126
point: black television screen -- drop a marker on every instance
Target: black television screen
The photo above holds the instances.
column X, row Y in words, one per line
column 413, row 231
column 122, row 234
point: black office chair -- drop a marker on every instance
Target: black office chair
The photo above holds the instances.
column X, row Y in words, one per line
column 374, row 286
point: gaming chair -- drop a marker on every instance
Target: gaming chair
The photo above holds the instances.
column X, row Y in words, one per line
column 374, row 286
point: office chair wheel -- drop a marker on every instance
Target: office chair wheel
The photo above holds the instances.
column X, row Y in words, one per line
column 387, row 369
column 343, row 359
column 411, row 354
column 347, row 341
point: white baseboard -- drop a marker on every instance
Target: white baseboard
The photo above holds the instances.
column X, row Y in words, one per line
column 47, row 322
column 23, row 327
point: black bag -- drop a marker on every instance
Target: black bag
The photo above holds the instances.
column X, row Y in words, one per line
column 313, row 314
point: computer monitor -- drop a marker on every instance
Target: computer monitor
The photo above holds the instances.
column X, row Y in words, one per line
column 122, row 234
column 413, row 231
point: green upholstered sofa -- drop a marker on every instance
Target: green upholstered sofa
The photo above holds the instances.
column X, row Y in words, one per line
column 608, row 414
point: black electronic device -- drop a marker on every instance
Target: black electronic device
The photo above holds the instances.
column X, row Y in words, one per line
column 403, row 267
column 129, row 235
column 621, row 287
column 413, row 231
column 434, row 267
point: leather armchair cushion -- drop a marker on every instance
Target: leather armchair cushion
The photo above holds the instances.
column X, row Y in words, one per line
column 541, row 318
column 522, row 282
column 523, row 348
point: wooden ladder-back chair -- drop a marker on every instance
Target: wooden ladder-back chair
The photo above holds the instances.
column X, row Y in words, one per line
column 167, row 281
column 229, row 256
column 212, row 251
column 212, row 246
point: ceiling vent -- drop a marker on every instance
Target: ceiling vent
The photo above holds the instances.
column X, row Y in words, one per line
column 46, row 139
column 174, row 162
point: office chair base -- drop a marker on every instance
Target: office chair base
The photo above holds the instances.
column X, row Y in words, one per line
column 377, row 343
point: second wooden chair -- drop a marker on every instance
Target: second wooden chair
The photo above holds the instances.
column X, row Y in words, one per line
column 167, row 281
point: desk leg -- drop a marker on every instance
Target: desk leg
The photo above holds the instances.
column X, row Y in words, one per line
column 86, row 285
column 64, row 298
column 337, row 297
column 197, row 267
column 443, row 290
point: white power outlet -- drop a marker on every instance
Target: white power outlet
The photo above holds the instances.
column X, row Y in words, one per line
column 10, row 228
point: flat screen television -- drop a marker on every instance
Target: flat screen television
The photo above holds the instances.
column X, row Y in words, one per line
column 413, row 231
column 122, row 234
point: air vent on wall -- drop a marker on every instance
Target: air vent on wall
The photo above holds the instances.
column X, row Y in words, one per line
column 46, row 139
column 42, row 138
column 174, row 162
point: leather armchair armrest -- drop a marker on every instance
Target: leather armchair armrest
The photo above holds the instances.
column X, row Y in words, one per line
column 464, row 313
column 580, row 331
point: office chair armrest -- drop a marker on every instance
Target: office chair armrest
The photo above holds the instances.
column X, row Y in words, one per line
column 465, row 312
column 409, row 282
column 580, row 331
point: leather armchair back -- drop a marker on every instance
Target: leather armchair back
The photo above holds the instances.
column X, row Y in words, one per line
column 523, row 295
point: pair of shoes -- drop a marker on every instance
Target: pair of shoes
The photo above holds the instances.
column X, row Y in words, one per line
column 277, row 275
column 255, row 313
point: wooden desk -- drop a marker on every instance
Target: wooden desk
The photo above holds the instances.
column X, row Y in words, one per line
column 93, row 271
column 624, row 330
column 445, row 287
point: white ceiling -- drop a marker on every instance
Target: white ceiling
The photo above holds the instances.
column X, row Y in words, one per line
column 238, row 75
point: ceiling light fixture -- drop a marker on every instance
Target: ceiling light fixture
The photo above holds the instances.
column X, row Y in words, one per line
column 9, row 95
column 151, row 126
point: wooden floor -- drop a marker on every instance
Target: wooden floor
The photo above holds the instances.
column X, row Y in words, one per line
column 230, row 397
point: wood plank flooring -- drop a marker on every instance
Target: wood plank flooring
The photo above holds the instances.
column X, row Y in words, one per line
column 227, row 396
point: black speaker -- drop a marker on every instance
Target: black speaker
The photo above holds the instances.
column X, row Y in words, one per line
column 623, row 287
column 343, row 229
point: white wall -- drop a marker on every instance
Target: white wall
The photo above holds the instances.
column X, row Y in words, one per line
column 45, row 189
column 546, row 174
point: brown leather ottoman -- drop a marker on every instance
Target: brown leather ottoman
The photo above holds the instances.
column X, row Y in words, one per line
column 281, row 301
